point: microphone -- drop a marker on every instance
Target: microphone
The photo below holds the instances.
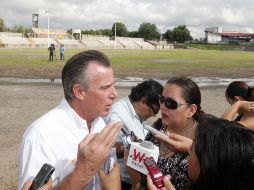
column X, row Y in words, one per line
column 110, row 162
column 138, row 152
column 154, row 131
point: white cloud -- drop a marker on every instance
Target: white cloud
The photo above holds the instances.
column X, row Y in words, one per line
column 166, row 14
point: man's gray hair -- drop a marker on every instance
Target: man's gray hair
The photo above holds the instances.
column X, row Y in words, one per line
column 74, row 71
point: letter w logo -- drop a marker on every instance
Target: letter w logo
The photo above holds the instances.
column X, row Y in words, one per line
column 137, row 156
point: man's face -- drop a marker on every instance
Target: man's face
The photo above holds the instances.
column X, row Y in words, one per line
column 101, row 91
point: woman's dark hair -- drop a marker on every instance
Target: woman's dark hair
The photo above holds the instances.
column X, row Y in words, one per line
column 190, row 93
column 74, row 71
column 150, row 89
column 225, row 150
column 239, row 88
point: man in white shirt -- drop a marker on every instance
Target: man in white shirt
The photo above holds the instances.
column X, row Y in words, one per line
column 73, row 137
column 133, row 111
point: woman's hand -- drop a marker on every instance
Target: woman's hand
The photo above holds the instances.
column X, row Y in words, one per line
column 246, row 106
column 112, row 179
column 167, row 184
column 238, row 107
column 176, row 143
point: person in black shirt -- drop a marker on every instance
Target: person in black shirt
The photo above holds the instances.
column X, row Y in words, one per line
column 51, row 52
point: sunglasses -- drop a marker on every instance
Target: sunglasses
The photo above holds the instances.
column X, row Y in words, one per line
column 170, row 103
column 154, row 110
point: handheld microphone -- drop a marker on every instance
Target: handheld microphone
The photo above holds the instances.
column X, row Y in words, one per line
column 153, row 130
column 138, row 152
column 110, row 162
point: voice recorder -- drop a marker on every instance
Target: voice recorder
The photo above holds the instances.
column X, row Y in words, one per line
column 154, row 172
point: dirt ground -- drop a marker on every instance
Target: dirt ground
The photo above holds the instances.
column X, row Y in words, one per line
column 20, row 104
column 55, row 72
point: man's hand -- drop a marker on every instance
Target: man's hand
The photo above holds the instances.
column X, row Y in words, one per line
column 176, row 143
column 94, row 149
column 167, row 184
column 92, row 152
column 112, row 179
column 47, row 186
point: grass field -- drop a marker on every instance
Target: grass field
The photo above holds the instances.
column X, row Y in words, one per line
column 33, row 63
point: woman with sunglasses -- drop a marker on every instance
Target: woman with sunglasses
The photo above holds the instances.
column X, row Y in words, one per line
column 180, row 113
column 241, row 98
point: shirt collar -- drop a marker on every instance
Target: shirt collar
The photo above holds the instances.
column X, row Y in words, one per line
column 132, row 110
column 80, row 122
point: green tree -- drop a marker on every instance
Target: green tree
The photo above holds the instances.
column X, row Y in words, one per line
column 169, row 35
column 148, row 31
column 89, row 32
column 121, row 29
column 181, row 34
column 133, row 34
column 2, row 26
column 106, row 32
column 21, row 29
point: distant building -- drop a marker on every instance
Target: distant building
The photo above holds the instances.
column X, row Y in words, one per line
column 215, row 35
column 53, row 33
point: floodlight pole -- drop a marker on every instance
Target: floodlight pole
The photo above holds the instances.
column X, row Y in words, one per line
column 161, row 34
column 115, row 33
column 48, row 26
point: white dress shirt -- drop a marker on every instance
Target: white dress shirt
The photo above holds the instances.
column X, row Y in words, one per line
column 54, row 139
column 122, row 110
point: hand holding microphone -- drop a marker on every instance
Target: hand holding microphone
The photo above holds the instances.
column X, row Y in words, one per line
column 173, row 141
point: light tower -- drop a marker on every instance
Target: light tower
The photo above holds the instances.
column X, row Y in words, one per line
column 48, row 15
column 115, row 32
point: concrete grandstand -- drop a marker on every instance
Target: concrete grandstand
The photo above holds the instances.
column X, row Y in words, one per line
column 38, row 38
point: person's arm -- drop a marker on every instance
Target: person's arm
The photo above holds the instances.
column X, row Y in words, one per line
column 231, row 112
column 92, row 152
column 112, row 179
column 135, row 175
column 245, row 106
column 242, row 106
column 176, row 143
column 167, row 184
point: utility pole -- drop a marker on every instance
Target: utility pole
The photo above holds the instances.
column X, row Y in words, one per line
column 47, row 13
column 115, row 34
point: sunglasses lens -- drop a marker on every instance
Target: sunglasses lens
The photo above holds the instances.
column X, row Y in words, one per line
column 169, row 103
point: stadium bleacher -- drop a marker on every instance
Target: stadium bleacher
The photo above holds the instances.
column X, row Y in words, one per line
column 129, row 44
column 42, row 42
column 110, row 44
column 92, row 44
column 15, row 40
column 70, row 43
column 145, row 45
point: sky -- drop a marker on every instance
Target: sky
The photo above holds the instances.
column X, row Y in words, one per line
column 231, row 15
